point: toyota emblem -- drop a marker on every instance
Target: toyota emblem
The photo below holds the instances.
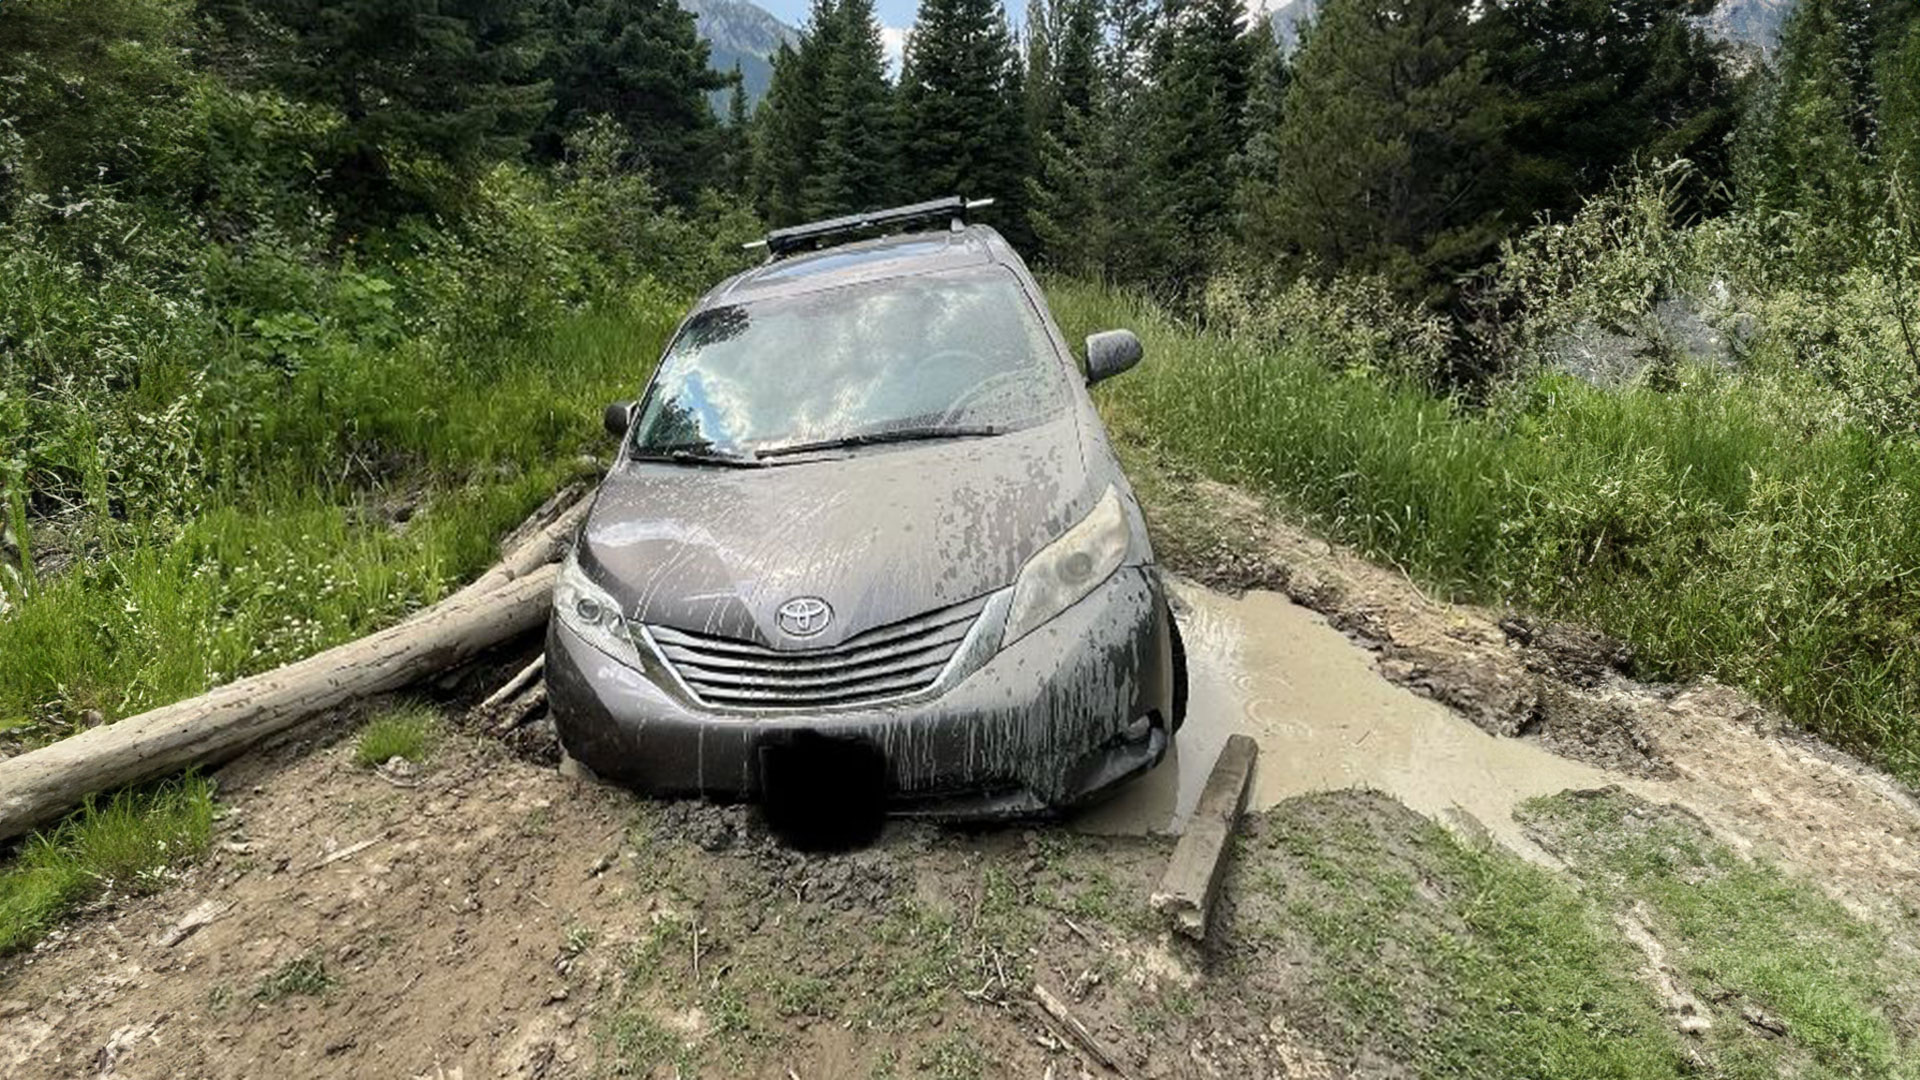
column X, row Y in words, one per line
column 804, row 616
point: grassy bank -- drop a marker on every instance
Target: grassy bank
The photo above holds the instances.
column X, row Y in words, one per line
column 1691, row 521
column 1408, row 945
column 1798, row 986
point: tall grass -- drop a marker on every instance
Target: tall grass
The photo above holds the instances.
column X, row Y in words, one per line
column 127, row 844
column 368, row 488
column 1693, row 522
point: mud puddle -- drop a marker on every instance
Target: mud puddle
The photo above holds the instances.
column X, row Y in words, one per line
column 1326, row 719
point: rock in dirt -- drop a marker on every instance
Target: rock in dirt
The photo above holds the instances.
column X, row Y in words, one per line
column 202, row 914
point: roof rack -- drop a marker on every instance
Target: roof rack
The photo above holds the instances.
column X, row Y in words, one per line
column 782, row 242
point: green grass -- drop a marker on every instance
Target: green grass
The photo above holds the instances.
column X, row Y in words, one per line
column 399, row 731
column 290, row 552
column 126, row 845
column 1741, row 933
column 303, row 976
column 1455, row 959
column 953, row 1057
column 1695, row 523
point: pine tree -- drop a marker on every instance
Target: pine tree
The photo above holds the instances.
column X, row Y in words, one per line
column 855, row 161
column 1076, row 65
column 961, row 105
column 1042, row 101
column 1388, row 150
column 640, row 63
column 1899, row 122
column 828, row 141
column 789, row 127
column 429, row 92
column 738, row 172
column 1266, row 101
column 1812, row 133
column 1596, row 85
column 1199, row 107
column 775, row 182
column 1062, row 193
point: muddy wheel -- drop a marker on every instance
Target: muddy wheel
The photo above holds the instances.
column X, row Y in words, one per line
column 1179, row 674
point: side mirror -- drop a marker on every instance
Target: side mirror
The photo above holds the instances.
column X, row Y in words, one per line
column 619, row 417
column 1111, row 352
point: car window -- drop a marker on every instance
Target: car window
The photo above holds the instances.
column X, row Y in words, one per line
column 962, row 349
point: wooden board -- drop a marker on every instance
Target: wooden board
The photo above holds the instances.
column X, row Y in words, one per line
column 1187, row 892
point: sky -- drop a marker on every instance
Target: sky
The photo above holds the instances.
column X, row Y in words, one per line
column 897, row 15
column 893, row 13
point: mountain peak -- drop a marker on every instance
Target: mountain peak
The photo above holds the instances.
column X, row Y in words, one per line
column 742, row 33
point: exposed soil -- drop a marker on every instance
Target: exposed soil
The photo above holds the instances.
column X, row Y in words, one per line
column 488, row 916
column 497, row 919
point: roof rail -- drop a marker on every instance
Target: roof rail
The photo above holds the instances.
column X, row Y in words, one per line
column 783, row 242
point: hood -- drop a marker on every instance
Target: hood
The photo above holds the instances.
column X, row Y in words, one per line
column 881, row 533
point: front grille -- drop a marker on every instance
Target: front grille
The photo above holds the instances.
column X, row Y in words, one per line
column 888, row 661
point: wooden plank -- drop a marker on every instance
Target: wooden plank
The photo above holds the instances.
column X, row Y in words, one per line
column 1187, row 892
column 38, row 786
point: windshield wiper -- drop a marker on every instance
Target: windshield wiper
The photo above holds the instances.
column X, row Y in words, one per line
column 695, row 454
column 896, row 435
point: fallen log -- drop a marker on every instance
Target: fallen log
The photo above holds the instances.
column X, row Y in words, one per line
column 1186, row 893
column 543, row 515
column 38, row 786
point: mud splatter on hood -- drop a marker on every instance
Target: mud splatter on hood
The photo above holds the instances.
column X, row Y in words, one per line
column 880, row 533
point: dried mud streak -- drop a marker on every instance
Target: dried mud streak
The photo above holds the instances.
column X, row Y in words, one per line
column 1761, row 786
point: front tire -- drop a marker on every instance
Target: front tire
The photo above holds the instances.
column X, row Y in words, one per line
column 1178, row 647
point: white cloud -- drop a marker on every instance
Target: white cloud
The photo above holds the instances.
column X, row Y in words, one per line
column 893, row 39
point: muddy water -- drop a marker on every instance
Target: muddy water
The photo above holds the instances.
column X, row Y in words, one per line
column 1324, row 718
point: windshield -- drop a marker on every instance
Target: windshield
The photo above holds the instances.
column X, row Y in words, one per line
column 955, row 353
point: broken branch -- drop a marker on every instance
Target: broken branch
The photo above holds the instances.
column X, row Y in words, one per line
column 1075, row 1030
column 517, row 683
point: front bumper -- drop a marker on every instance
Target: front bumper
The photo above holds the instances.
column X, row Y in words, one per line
column 1043, row 725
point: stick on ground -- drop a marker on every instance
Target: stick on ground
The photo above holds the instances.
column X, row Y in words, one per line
column 1070, row 1024
column 521, row 709
column 517, row 683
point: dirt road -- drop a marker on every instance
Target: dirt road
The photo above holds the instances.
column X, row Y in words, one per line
column 487, row 917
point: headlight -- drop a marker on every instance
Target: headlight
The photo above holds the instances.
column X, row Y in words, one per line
column 1069, row 568
column 590, row 611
